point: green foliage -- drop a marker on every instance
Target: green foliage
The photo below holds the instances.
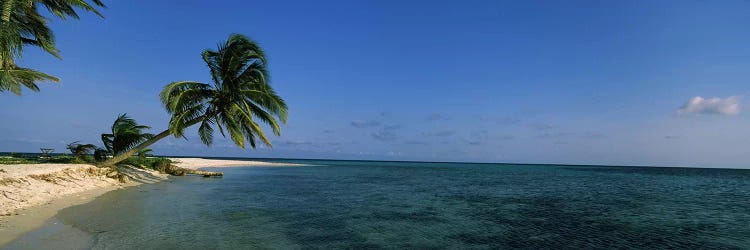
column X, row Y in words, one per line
column 60, row 159
column 13, row 77
column 21, row 25
column 158, row 164
column 146, row 152
column 87, row 159
column 79, row 150
column 126, row 134
column 101, row 155
column 16, row 160
column 239, row 94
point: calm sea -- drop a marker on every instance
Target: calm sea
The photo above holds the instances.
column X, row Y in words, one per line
column 397, row 205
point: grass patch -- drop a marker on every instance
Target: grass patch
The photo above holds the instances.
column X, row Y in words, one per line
column 54, row 159
column 14, row 160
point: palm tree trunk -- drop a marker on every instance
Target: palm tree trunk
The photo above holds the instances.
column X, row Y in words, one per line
column 127, row 154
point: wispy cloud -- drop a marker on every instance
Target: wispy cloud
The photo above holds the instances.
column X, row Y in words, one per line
column 76, row 124
column 553, row 135
column 442, row 133
column 594, row 136
column 293, row 143
column 28, row 140
column 507, row 137
column 384, row 135
column 392, row 127
column 365, row 124
column 540, row 126
column 434, row 117
column 711, row 106
column 480, row 134
column 477, row 137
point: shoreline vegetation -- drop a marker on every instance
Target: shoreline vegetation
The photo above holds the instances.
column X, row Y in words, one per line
column 31, row 193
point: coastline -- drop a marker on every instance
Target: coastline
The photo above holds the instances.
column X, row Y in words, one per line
column 198, row 163
column 34, row 193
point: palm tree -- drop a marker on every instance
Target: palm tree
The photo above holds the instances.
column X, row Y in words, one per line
column 79, row 150
column 101, row 154
column 126, row 134
column 239, row 93
column 21, row 24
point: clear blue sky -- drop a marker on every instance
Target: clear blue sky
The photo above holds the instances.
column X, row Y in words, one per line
column 586, row 82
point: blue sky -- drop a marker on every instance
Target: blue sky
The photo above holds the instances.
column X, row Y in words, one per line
column 578, row 82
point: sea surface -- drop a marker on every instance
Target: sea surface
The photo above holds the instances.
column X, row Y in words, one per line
column 400, row 205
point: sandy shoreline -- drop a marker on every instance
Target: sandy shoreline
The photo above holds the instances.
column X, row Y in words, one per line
column 31, row 194
column 196, row 163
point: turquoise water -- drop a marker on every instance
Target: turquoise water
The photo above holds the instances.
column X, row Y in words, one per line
column 373, row 205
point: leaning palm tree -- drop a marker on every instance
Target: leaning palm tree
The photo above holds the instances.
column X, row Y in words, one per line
column 239, row 94
column 79, row 150
column 21, row 24
column 126, row 134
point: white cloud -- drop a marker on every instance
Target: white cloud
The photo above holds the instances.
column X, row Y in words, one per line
column 712, row 106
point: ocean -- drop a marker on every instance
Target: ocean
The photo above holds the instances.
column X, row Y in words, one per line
column 409, row 205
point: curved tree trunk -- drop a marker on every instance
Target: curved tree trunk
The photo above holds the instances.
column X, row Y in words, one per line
column 127, row 154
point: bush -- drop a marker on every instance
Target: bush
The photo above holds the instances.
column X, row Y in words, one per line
column 100, row 155
column 15, row 160
column 62, row 159
column 160, row 164
column 84, row 159
column 134, row 161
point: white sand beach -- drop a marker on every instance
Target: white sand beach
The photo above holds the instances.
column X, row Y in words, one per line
column 31, row 194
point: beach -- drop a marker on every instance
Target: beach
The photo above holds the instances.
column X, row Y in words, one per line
column 33, row 193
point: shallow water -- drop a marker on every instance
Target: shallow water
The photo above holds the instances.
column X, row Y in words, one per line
column 348, row 204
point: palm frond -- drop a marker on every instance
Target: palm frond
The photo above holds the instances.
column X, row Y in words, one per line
column 126, row 134
column 80, row 150
column 13, row 77
column 239, row 94
column 206, row 132
column 67, row 8
column 20, row 25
